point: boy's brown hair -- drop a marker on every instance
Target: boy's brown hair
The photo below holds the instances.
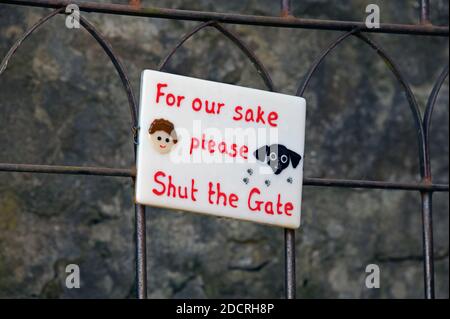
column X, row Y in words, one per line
column 165, row 126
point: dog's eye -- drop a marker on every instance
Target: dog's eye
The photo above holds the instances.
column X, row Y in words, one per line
column 159, row 138
column 273, row 156
column 167, row 140
column 284, row 159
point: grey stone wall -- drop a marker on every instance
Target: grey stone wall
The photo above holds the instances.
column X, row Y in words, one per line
column 61, row 103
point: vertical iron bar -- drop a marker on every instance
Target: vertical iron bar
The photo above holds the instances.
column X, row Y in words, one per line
column 289, row 234
column 141, row 252
column 427, row 197
column 286, row 8
column 427, row 224
column 425, row 12
column 289, row 253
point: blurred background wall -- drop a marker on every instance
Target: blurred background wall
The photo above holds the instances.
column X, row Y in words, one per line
column 61, row 102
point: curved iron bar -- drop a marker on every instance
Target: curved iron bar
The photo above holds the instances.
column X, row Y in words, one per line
column 422, row 128
column 289, row 234
column 235, row 39
column 98, row 37
column 301, row 89
column 186, row 37
column 395, row 70
column 429, row 113
column 141, row 272
column 427, row 196
column 119, row 68
column 414, row 106
column 427, row 239
column 27, row 33
column 139, row 210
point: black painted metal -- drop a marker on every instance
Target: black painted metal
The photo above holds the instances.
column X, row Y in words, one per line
column 307, row 181
column 281, row 22
column 289, row 261
column 141, row 274
column 427, row 196
column 141, row 252
column 216, row 20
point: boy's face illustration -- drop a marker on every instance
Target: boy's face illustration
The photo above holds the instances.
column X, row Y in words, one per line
column 162, row 142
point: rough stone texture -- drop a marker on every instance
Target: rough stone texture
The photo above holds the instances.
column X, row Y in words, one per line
column 61, row 102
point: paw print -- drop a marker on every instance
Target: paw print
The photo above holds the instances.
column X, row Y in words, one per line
column 267, row 182
column 246, row 180
column 290, row 180
column 250, row 172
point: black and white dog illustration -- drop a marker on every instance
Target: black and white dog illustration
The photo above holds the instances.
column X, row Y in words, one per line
column 278, row 157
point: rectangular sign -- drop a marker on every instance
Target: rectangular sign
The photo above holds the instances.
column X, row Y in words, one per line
column 220, row 149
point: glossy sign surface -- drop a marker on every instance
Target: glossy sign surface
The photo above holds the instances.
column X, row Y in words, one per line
column 220, row 149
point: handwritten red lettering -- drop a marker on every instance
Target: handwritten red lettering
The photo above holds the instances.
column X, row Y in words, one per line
column 159, row 93
column 257, row 205
column 222, row 147
column 171, row 99
column 259, row 116
column 210, row 107
column 168, row 188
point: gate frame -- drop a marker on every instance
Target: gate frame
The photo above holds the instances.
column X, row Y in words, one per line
column 425, row 187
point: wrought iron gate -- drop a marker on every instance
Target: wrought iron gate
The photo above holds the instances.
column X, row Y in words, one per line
column 425, row 188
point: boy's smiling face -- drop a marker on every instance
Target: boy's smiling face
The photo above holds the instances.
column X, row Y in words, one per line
column 162, row 142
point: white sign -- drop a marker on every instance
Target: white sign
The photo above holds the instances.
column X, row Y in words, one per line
column 220, row 149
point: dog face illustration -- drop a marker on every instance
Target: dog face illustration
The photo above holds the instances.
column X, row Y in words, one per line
column 278, row 157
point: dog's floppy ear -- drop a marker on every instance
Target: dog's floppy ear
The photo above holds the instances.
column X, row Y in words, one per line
column 261, row 153
column 295, row 158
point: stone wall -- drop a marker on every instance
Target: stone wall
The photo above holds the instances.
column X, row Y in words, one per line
column 61, row 102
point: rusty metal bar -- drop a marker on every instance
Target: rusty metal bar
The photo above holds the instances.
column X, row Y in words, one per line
column 425, row 12
column 428, row 252
column 429, row 113
column 70, row 170
column 364, row 184
column 422, row 125
column 290, row 283
column 289, row 274
column 286, row 8
column 141, row 252
column 136, row 3
column 307, row 181
column 427, row 196
column 281, row 22
column 140, row 225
